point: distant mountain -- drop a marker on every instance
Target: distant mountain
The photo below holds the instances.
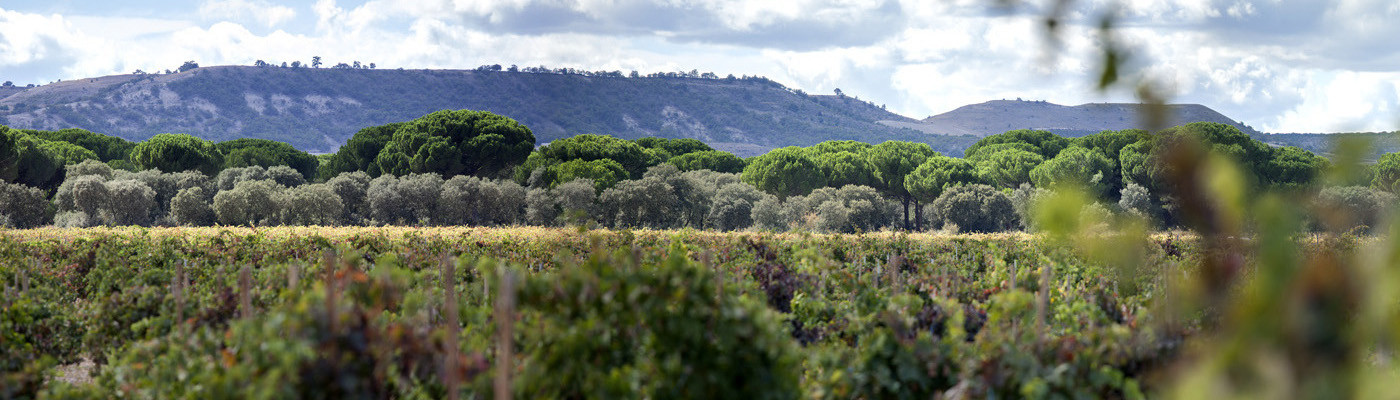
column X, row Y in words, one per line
column 999, row 116
column 319, row 109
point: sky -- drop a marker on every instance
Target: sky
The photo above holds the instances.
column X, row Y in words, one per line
column 1279, row 66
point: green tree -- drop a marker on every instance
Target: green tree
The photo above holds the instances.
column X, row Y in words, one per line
column 267, row 153
column 714, row 160
column 845, row 168
column 588, row 147
column 893, row 160
column 28, row 160
column 1387, row 173
column 604, row 173
column 1047, row 143
column 461, row 142
column 1075, row 166
column 1291, row 168
column 107, row 148
column 784, row 172
column 1008, row 168
column 935, row 175
column 976, row 208
column 70, row 153
column 359, row 153
column 981, row 153
column 1110, row 144
column 178, row 152
column 674, row 147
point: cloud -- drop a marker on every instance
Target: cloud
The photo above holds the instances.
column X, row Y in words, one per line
column 1344, row 102
column 1282, row 66
column 267, row 14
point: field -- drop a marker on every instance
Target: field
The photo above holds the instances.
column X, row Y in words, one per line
column 333, row 312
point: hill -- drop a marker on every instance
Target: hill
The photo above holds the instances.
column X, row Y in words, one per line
column 319, row 109
column 999, row 116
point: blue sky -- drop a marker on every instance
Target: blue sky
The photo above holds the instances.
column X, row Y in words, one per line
column 1295, row 66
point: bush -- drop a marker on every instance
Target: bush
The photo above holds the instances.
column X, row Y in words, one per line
column 129, row 202
column 732, row 208
column 976, row 208
column 22, row 206
column 710, row 344
column 540, row 208
column 309, row 205
column 191, row 207
column 577, row 201
column 352, row 188
column 768, row 215
column 89, row 167
column 1349, row 208
column 249, row 203
column 410, row 200
column 285, row 176
column 642, row 203
column 468, row 200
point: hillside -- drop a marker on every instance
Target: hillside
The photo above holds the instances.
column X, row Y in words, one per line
column 318, row 109
column 998, row 116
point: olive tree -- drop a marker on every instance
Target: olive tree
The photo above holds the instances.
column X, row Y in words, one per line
column 22, row 206
column 352, row 187
column 466, row 200
column 641, row 203
column 732, row 207
column 88, row 167
column 540, row 207
column 407, row 200
column 129, row 202
column 576, row 200
column 309, row 205
column 768, row 215
column 191, row 207
column 976, row 208
column 251, row 203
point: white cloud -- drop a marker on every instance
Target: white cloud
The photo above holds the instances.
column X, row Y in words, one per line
column 1344, row 101
column 268, row 14
column 1294, row 66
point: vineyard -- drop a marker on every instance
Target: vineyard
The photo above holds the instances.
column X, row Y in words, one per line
column 417, row 313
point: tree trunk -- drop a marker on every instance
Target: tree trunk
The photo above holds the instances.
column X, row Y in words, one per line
column 906, row 212
column 918, row 216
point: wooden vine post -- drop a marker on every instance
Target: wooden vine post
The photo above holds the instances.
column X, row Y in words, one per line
column 505, row 324
column 452, row 325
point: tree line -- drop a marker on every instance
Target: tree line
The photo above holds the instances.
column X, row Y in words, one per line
column 468, row 167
